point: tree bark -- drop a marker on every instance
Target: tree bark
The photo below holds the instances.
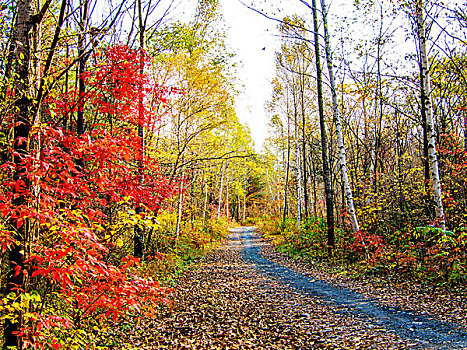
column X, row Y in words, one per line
column 138, row 232
column 205, row 200
column 464, row 112
column 180, row 205
column 324, row 141
column 83, row 25
column 227, row 193
column 425, row 92
column 220, row 193
column 244, row 207
column 24, row 48
column 286, row 184
column 378, row 107
column 337, row 121
column 302, row 105
column 297, row 162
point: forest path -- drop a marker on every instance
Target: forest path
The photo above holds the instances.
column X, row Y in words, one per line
column 235, row 298
column 408, row 325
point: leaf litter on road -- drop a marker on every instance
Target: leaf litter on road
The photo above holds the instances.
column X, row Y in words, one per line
column 224, row 302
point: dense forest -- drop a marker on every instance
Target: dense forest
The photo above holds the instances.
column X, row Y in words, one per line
column 123, row 157
column 369, row 138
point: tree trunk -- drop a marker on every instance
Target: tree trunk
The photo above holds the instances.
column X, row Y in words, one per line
column 464, row 112
column 24, row 48
column 83, row 26
column 425, row 91
column 138, row 232
column 244, row 205
column 297, row 162
column 227, row 193
column 324, row 141
column 220, row 193
column 337, row 121
column 315, row 195
column 284, row 214
column 378, row 107
column 205, row 200
column 180, row 205
column 302, row 102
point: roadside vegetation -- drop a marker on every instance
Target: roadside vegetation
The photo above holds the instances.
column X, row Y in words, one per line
column 368, row 151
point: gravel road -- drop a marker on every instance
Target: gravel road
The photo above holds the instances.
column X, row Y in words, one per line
column 236, row 297
column 426, row 331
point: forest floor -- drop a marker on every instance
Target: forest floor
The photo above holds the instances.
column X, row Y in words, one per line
column 246, row 295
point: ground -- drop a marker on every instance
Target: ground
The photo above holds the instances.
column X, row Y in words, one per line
column 246, row 295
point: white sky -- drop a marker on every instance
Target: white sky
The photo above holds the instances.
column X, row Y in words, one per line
column 250, row 36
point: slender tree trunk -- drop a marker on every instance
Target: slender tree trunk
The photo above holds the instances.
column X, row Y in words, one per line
column 315, row 195
column 464, row 112
column 337, row 120
column 302, row 102
column 205, row 199
column 399, row 158
column 423, row 98
column 324, row 141
column 425, row 158
column 24, row 47
column 425, row 91
column 180, row 205
column 220, row 193
column 378, row 106
column 280, row 196
column 286, row 184
column 67, row 56
column 297, row 162
column 138, row 232
column 244, row 205
column 227, row 192
column 83, row 26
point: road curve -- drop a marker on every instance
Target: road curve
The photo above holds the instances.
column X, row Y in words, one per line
column 420, row 328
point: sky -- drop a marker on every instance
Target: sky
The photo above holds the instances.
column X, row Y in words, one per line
column 255, row 39
column 252, row 37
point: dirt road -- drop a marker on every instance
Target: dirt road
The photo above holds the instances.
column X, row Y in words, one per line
column 236, row 298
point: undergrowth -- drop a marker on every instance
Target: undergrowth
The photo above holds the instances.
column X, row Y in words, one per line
column 424, row 253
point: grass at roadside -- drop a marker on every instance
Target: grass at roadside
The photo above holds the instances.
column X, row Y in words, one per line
column 422, row 255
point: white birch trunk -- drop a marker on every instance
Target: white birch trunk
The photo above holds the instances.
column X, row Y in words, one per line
column 425, row 86
column 180, row 204
column 299, row 174
column 337, row 121
column 244, row 201
column 227, row 193
column 205, row 198
column 220, row 194
column 286, row 182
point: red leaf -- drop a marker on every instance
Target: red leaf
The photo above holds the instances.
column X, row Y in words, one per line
column 17, row 270
column 56, row 345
